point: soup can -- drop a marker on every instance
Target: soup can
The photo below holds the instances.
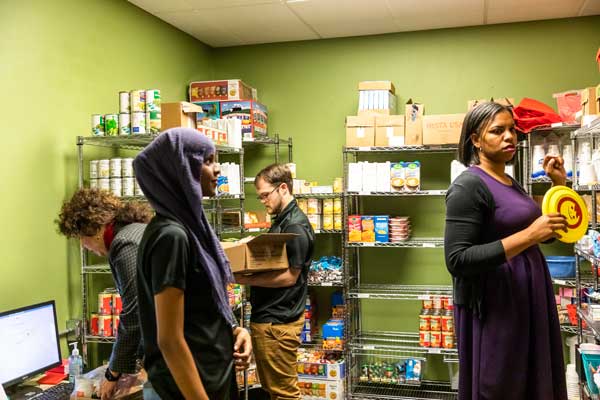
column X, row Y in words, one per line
column 115, row 325
column 93, row 183
column 94, row 169
column 94, row 327
column 437, row 302
column 111, row 124
column 424, row 338
column 424, row 320
column 116, row 187
column 436, row 322
column 436, row 339
column 448, row 322
column 117, row 304
column 97, row 125
column 124, row 124
column 105, row 327
column 137, row 190
column 103, row 169
column 138, row 101
column 128, row 187
column 428, row 304
column 152, row 100
column 153, row 122
column 115, row 167
column 126, row 167
column 447, row 340
column 124, row 103
column 103, row 183
column 105, row 303
column 138, row 123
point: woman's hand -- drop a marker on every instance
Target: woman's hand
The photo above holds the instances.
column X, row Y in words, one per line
column 242, row 348
column 546, row 227
column 554, row 166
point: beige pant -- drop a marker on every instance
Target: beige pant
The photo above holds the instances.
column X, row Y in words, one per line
column 275, row 351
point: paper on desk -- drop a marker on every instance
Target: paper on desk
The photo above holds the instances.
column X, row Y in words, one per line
column 2, row 393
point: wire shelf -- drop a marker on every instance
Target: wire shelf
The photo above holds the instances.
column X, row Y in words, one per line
column 328, row 231
column 414, row 243
column 427, row 390
column 589, row 257
column 587, row 281
column 415, row 148
column 264, row 140
column 100, row 339
column 317, row 344
column 388, row 340
column 558, row 130
column 97, row 269
column 588, row 132
column 399, row 292
column 137, row 142
column 401, row 194
column 318, row 195
column 326, row 284
column 570, row 329
column 593, row 326
column 224, row 197
column 543, row 180
column 586, row 188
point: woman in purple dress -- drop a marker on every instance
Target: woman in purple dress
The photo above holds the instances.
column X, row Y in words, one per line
column 509, row 339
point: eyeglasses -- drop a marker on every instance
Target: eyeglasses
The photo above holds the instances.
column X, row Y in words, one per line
column 265, row 196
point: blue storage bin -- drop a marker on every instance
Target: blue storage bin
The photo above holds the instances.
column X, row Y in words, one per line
column 594, row 360
column 561, row 266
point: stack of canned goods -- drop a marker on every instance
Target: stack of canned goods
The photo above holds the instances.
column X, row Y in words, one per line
column 139, row 114
column 436, row 323
column 115, row 175
column 105, row 323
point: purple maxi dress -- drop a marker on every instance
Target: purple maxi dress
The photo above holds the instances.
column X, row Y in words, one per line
column 515, row 353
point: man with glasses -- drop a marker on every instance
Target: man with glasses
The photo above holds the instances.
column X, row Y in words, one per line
column 278, row 298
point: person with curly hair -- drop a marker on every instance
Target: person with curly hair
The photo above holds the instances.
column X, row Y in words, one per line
column 109, row 227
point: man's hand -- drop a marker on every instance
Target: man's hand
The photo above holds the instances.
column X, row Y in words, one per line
column 108, row 389
column 242, row 349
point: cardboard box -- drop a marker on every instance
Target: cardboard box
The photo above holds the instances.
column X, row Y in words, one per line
column 360, row 131
column 442, row 129
column 413, row 124
column 589, row 101
column 389, row 130
column 376, row 102
column 324, row 371
column 254, row 116
column 265, row 252
column 180, row 114
column 211, row 110
column 377, row 85
column 598, row 98
column 321, row 389
column 221, row 90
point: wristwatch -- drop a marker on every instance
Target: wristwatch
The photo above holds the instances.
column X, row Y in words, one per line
column 234, row 326
column 110, row 377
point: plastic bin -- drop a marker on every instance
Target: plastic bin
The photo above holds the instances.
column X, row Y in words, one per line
column 561, row 266
column 594, row 360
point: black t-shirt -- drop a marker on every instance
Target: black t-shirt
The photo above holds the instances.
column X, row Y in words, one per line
column 165, row 259
column 285, row 305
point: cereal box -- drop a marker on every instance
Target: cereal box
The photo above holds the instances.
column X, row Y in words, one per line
column 354, row 228
column 382, row 228
column 397, row 178
column 368, row 228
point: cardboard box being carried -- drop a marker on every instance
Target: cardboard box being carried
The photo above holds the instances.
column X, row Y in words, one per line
column 360, row 131
column 442, row 129
column 588, row 101
column 413, row 125
column 179, row 114
column 265, row 252
column 389, row 130
column 233, row 89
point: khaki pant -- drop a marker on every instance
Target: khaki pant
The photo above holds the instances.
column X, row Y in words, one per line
column 275, row 351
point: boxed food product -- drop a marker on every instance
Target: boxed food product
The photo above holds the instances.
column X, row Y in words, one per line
column 382, row 228
column 179, row 114
column 397, row 177
column 389, row 130
column 333, row 329
column 413, row 123
column 254, row 116
column 320, row 389
column 442, row 129
column 210, row 110
column 303, row 205
column 221, row 90
column 377, row 85
column 383, row 177
column 315, row 221
column 360, row 131
column 337, row 206
column 265, row 252
column 327, row 206
column 334, row 371
column 368, row 228
column 314, row 206
column 588, row 101
column 337, row 222
column 412, row 176
column 327, row 222
column 354, row 228
column 376, row 102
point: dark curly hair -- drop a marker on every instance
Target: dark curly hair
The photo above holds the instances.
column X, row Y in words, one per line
column 90, row 209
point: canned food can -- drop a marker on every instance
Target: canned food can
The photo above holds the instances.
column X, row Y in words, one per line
column 428, row 304
column 117, row 304
column 436, row 339
column 103, row 169
column 97, row 125
column 124, row 103
column 152, row 100
column 138, row 101
column 127, row 167
column 103, row 183
column 128, row 187
column 449, row 303
column 94, row 169
column 448, row 323
column 447, row 340
column 115, row 167
column 436, row 322
column 337, row 206
column 424, row 338
column 137, row 190
column 115, row 325
column 437, row 302
column 94, row 327
column 105, row 303
column 93, row 183
column 425, row 321
column 105, row 327
column 111, row 124
column 124, row 124
column 153, row 122
column 138, row 123
column 337, row 222
column 116, row 187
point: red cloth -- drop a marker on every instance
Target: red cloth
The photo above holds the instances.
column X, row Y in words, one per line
column 109, row 235
column 530, row 114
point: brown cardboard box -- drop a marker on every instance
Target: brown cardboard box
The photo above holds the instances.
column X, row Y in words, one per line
column 360, row 131
column 588, row 101
column 598, row 98
column 389, row 130
column 265, row 252
column 180, row 114
column 377, row 85
column 442, row 129
column 413, row 125
column 220, row 90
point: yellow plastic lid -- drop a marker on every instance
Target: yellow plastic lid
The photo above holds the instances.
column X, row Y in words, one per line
column 565, row 201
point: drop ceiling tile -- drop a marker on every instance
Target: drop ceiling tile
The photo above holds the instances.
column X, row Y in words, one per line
column 202, row 27
column 208, row 4
column 590, row 7
column 412, row 15
column 154, row 6
column 503, row 11
column 333, row 11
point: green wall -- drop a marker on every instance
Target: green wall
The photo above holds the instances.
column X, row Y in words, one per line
column 61, row 61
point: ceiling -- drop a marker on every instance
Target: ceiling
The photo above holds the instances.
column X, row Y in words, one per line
column 221, row 23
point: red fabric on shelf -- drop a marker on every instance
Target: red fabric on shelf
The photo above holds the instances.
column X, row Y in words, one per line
column 530, row 114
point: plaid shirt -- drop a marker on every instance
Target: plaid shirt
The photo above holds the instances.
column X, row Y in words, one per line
column 122, row 257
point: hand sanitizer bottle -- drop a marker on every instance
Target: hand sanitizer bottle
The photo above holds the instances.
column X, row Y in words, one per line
column 75, row 364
